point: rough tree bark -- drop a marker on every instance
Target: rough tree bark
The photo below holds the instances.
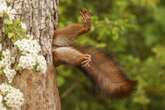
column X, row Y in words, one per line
column 40, row 90
column 1, row 26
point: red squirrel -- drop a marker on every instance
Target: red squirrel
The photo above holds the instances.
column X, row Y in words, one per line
column 63, row 39
column 99, row 67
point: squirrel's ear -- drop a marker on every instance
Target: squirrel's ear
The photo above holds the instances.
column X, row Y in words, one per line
column 107, row 75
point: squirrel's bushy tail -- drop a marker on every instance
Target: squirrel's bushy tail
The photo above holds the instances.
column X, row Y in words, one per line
column 107, row 75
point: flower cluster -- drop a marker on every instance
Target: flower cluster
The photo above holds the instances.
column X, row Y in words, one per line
column 28, row 46
column 30, row 55
column 6, row 9
column 11, row 97
column 3, row 6
column 5, row 65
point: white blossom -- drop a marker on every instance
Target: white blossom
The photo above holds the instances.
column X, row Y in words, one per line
column 5, row 88
column 11, row 12
column 11, row 97
column 27, row 61
column 9, row 73
column 3, row 6
column 23, row 25
column 36, row 46
column 8, row 10
column 7, row 59
column 5, row 65
column 31, row 58
column 28, row 46
column 6, row 53
column 42, row 65
column 14, row 99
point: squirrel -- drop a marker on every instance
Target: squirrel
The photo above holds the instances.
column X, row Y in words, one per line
column 63, row 51
column 100, row 68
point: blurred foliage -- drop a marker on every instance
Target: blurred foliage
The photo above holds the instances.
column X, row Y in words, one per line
column 134, row 30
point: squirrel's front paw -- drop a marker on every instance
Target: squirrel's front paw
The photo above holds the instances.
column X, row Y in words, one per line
column 86, row 60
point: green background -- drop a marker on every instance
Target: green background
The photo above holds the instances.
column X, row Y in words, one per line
column 134, row 30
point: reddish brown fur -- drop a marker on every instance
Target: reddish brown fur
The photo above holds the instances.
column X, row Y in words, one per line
column 102, row 69
column 107, row 74
column 68, row 33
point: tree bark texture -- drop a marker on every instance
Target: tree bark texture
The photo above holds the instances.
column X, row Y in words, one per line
column 40, row 90
column 1, row 27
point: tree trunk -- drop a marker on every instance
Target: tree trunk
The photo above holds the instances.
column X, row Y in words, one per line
column 1, row 26
column 40, row 90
